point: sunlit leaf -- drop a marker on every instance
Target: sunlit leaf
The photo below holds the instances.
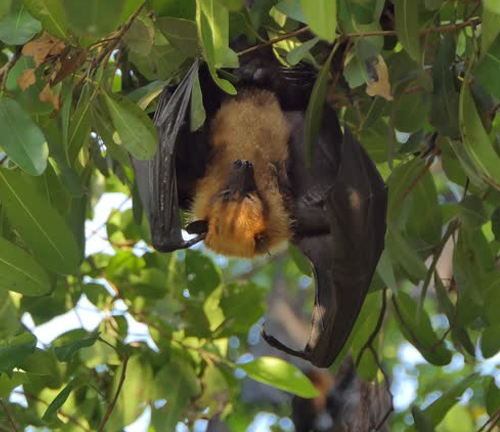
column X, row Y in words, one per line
column 280, row 374
column 407, row 12
column 136, row 130
column 14, row 351
column 42, row 228
column 21, row 138
column 477, row 141
column 18, row 27
column 65, row 353
column 322, row 17
column 20, row 272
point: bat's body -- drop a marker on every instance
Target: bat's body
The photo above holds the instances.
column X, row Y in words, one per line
column 244, row 178
column 239, row 196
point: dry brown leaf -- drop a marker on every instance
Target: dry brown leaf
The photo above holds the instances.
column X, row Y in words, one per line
column 69, row 65
column 42, row 47
column 27, row 79
column 380, row 86
column 48, row 96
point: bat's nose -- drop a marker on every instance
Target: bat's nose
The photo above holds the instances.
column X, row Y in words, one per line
column 241, row 178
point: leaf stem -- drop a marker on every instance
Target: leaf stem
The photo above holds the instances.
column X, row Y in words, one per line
column 111, row 406
column 8, row 415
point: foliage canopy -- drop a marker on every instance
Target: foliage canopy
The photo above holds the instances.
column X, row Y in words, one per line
column 417, row 83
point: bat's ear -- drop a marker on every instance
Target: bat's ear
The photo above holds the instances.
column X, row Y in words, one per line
column 197, row 227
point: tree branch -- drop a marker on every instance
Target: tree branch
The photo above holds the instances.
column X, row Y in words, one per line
column 111, row 406
column 8, row 415
column 472, row 22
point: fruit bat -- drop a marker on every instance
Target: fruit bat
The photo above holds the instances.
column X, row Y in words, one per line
column 245, row 181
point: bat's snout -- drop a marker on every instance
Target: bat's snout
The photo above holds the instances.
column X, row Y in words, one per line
column 241, row 179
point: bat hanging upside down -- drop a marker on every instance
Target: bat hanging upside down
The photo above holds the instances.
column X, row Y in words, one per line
column 244, row 178
column 239, row 198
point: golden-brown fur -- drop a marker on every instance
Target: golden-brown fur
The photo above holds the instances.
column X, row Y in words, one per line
column 248, row 127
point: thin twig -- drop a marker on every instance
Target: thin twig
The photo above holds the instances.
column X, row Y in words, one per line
column 387, row 388
column 377, row 328
column 4, row 70
column 452, row 227
column 115, row 398
column 440, row 29
column 275, row 40
column 9, row 417
column 59, row 412
column 493, row 420
column 117, row 38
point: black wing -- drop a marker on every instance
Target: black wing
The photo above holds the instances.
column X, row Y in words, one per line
column 340, row 208
column 166, row 182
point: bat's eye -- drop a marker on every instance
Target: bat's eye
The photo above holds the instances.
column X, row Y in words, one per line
column 260, row 243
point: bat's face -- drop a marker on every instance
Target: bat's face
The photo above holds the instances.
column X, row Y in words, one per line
column 236, row 217
column 237, row 227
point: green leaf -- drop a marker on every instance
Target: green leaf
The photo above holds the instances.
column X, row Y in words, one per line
column 212, row 20
column 20, row 272
column 322, row 17
column 79, row 126
column 198, row 114
column 469, row 264
column 402, row 252
column 202, row 275
column 411, row 112
column 94, row 18
column 433, row 4
column 492, row 396
column 422, row 422
column 51, row 15
column 495, row 223
column 458, row 333
column 181, row 33
column 18, row 27
column 314, row 111
column 490, row 341
column 399, row 185
column 477, row 141
column 22, row 140
column 135, row 393
column 42, row 228
column 438, row 409
column 216, row 389
column 58, row 401
column 66, row 352
column 280, row 374
column 135, row 128
column 489, row 28
column 14, row 351
column 242, row 305
column 407, row 12
column 445, row 98
column 213, row 28
column 5, row 8
column 419, row 332
column 489, row 66
column 295, row 56
column 472, row 212
column 292, row 9
column 141, row 36
column 177, row 382
column 302, row 263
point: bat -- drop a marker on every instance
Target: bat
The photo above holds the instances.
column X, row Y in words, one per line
column 244, row 179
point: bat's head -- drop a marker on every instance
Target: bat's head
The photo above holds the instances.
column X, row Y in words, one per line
column 237, row 218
